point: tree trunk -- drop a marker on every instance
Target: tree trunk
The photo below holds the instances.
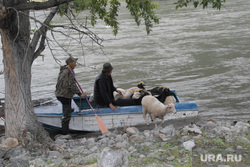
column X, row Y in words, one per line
column 21, row 122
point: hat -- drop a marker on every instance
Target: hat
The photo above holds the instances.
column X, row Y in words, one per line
column 70, row 60
column 107, row 67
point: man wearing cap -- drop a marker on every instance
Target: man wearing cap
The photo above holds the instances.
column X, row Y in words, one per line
column 104, row 88
column 65, row 89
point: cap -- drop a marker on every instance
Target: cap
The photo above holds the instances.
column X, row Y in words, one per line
column 107, row 67
column 70, row 60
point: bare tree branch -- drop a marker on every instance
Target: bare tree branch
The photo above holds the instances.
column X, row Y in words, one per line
column 41, row 5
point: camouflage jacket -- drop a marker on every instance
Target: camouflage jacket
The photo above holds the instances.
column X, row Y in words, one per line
column 66, row 85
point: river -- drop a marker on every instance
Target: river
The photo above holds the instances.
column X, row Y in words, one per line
column 203, row 54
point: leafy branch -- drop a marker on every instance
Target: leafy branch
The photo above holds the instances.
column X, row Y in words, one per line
column 216, row 4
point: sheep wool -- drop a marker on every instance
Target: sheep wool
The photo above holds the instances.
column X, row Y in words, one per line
column 156, row 109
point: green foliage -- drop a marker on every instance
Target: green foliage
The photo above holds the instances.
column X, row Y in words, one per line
column 204, row 3
column 143, row 9
column 99, row 10
column 92, row 161
column 111, row 16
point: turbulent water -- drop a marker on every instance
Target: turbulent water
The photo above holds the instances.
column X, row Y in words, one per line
column 203, row 54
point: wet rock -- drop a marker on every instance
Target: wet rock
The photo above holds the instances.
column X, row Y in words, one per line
column 112, row 158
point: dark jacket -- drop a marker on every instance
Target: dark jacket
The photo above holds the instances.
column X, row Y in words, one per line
column 103, row 90
column 66, row 85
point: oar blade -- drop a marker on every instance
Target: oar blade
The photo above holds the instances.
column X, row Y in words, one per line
column 101, row 125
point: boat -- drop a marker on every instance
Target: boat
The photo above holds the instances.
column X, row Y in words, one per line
column 83, row 118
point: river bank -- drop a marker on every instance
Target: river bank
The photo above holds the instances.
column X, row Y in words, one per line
column 192, row 145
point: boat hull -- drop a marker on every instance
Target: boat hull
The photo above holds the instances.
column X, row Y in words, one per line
column 85, row 120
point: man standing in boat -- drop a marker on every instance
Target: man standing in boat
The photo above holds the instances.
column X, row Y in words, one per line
column 66, row 88
column 104, row 88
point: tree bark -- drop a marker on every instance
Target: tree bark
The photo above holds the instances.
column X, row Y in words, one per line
column 18, row 56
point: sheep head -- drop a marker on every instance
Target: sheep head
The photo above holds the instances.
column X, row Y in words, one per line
column 171, row 108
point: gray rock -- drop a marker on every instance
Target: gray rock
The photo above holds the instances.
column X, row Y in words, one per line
column 126, row 143
column 118, row 138
column 130, row 131
column 111, row 142
column 222, row 131
column 78, row 160
column 104, row 140
column 194, row 129
column 131, row 148
column 239, row 150
column 120, row 145
column 241, row 128
column 55, row 154
column 94, row 149
column 229, row 150
column 83, row 141
column 243, row 139
column 147, row 134
column 168, row 130
column 184, row 138
column 1, row 162
column 18, row 161
column 66, row 137
column 209, row 126
column 59, row 141
column 38, row 162
column 112, row 158
column 3, row 149
column 91, row 142
column 188, row 145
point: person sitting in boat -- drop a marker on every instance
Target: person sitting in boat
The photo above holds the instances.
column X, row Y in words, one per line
column 104, row 88
column 65, row 89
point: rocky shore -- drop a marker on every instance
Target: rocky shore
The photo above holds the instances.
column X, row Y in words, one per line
column 219, row 144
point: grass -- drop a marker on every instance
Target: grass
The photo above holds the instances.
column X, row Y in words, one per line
column 92, row 161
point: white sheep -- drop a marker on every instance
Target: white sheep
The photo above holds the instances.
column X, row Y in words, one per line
column 138, row 93
column 156, row 109
column 119, row 96
column 169, row 99
column 126, row 94
column 129, row 92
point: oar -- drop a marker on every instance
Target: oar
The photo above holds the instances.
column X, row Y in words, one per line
column 101, row 124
